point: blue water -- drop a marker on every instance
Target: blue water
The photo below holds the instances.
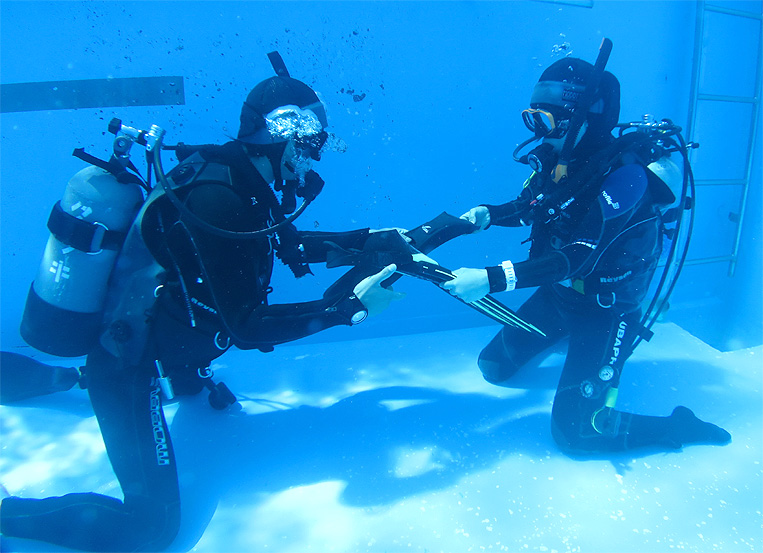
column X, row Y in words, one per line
column 384, row 437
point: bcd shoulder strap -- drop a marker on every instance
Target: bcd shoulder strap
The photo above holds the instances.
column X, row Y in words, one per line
column 248, row 181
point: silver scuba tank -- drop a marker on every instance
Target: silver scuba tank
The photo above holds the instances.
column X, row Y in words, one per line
column 62, row 315
column 672, row 176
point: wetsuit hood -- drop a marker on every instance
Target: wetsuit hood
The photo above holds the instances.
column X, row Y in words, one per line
column 561, row 86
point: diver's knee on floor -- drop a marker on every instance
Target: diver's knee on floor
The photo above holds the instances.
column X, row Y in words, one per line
column 495, row 363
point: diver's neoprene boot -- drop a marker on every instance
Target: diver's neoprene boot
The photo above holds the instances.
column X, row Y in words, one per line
column 22, row 377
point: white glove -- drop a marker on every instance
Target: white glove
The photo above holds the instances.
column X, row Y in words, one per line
column 372, row 295
column 469, row 285
column 479, row 216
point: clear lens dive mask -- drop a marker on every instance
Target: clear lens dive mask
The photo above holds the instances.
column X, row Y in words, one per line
column 292, row 122
column 545, row 124
column 303, row 127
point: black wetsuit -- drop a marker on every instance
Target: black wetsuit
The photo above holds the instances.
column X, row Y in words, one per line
column 212, row 293
column 592, row 267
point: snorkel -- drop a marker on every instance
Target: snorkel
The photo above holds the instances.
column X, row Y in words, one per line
column 580, row 113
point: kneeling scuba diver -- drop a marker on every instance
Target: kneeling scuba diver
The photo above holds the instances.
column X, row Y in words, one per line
column 190, row 278
column 599, row 210
column 199, row 251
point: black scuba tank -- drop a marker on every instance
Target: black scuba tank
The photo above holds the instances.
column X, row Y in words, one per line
column 64, row 306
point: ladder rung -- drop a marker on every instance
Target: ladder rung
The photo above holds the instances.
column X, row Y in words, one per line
column 721, row 98
column 703, row 260
column 721, row 182
column 707, row 260
column 729, row 11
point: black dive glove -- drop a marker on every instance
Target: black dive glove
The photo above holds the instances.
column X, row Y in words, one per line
column 685, row 428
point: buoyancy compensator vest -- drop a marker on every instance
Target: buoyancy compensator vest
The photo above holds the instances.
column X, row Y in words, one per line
column 145, row 264
column 650, row 147
column 64, row 306
column 170, row 240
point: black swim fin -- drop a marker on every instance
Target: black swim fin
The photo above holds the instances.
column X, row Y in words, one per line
column 381, row 249
column 441, row 229
column 22, row 377
column 384, row 248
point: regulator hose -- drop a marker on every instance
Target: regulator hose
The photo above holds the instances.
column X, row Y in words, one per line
column 198, row 221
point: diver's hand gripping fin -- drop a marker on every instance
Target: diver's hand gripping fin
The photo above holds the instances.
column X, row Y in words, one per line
column 387, row 247
column 488, row 305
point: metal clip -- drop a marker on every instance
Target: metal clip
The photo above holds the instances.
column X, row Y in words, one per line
column 164, row 381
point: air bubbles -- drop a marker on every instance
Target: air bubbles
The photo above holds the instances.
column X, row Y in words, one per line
column 563, row 49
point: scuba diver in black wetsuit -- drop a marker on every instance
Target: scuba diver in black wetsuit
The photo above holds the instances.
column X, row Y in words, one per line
column 597, row 234
column 192, row 279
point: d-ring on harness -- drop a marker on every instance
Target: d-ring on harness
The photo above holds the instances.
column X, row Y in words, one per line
column 219, row 341
column 606, row 306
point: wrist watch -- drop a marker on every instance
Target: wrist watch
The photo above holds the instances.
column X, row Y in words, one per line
column 360, row 313
column 511, row 277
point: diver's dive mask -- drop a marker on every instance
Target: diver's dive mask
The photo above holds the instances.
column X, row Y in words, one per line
column 547, row 123
column 300, row 125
